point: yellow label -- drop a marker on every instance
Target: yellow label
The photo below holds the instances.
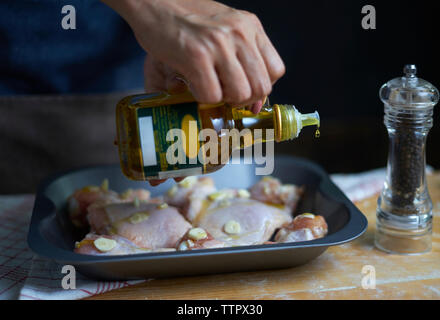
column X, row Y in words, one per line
column 189, row 126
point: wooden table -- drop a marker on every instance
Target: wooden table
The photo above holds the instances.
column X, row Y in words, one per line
column 336, row 274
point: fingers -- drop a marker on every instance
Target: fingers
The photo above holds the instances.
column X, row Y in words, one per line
column 229, row 59
column 256, row 73
column 272, row 59
column 246, row 63
column 159, row 77
column 234, row 83
column 256, row 107
column 202, row 76
column 154, row 77
column 239, row 74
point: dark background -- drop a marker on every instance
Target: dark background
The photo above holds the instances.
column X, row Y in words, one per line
column 336, row 67
column 333, row 65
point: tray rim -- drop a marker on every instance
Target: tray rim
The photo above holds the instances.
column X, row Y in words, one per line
column 44, row 208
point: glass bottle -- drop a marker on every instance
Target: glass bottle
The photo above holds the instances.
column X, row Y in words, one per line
column 404, row 212
column 146, row 126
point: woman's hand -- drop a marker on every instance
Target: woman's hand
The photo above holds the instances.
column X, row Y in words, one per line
column 224, row 53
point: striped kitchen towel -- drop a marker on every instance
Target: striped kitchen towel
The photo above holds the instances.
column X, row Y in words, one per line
column 24, row 275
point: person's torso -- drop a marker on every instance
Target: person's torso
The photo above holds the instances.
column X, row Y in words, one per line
column 39, row 56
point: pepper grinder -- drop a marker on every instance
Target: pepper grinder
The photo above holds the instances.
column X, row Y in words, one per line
column 404, row 210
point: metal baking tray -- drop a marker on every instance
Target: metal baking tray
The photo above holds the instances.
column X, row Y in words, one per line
column 52, row 235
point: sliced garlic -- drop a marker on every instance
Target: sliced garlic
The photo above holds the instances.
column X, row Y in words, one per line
column 104, row 244
column 221, row 195
column 197, row 234
column 243, row 193
column 183, row 246
column 188, row 182
column 266, row 190
column 172, row 191
column 232, row 227
column 190, row 243
column 162, row 206
column 138, row 217
column 104, row 185
column 306, row 215
column 215, row 195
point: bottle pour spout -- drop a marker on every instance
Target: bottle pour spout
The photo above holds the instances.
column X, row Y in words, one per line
column 310, row 119
column 291, row 122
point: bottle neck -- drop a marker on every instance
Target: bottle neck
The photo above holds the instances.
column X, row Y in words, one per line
column 289, row 121
column 285, row 120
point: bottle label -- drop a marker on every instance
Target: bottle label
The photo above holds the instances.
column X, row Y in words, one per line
column 169, row 140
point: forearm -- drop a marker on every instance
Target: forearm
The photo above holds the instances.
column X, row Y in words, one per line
column 127, row 8
column 153, row 10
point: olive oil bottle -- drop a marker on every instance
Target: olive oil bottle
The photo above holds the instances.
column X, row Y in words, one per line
column 144, row 123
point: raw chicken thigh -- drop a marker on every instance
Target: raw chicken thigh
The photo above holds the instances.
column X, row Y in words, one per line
column 304, row 227
column 198, row 238
column 82, row 199
column 94, row 244
column 146, row 224
column 234, row 218
column 191, row 215
column 106, row 245
column 188, row 195
column 271, row 190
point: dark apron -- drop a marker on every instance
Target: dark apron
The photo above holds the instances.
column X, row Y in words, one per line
column 40, row 135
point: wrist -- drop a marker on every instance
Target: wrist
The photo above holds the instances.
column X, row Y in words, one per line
column 130, row 9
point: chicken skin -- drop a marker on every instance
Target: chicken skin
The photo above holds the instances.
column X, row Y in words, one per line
column 94, row 244
column 132, row 194
column 304, row 227
column 188, row 195
column 270, row 190
column 79, row 202
column 146, row 224
column 234, row 218
column 111, row 245
column 192, row 215
column 81, row 199
column 198, row 238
